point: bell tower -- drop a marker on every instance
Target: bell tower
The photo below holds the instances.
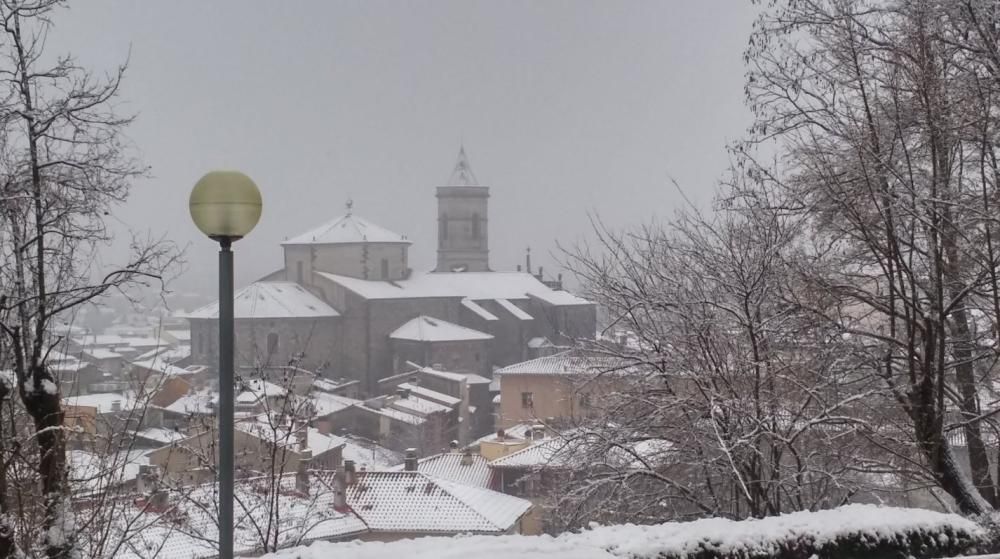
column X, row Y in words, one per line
column 463, row 232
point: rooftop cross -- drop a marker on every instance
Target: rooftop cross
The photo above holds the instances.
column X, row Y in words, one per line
column 349, row 205
column 462, row 175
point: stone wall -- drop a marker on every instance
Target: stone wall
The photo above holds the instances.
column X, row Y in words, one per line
column 313, row 342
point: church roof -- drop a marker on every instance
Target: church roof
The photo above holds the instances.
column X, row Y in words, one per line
column 477, row 286
column 271, row 299
column 429, row 329
column 347, row 229
column 462, row 175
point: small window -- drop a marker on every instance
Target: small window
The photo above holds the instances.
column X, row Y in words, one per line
column 476, row 227
column 443, row 228
column 298, row 271
column 477, row 358
column 585, row 401
column 527, row 400
column 385, row 268
column 272, row 343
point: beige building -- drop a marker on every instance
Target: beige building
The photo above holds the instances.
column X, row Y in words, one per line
column 552, row 388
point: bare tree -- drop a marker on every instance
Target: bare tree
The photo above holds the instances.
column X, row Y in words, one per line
column 731, row 398
column 64, row 165
column 884, row 121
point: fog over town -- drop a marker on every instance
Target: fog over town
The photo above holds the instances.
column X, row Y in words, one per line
column 451, row 279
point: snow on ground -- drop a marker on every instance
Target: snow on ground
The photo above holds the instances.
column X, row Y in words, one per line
column 607, row 542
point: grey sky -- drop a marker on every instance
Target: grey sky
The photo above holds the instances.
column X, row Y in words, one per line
column 564, row 108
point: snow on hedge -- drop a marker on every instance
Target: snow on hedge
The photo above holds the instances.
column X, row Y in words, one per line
column 842, row 532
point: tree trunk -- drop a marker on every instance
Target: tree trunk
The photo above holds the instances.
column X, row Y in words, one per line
column 46, row 411
column 965, row 376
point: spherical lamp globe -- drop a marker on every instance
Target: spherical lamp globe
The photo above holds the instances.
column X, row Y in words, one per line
column 225, row 204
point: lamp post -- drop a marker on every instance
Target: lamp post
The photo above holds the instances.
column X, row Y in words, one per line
column 225, row 205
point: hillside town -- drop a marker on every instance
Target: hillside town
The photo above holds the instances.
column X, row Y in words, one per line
column 358, row 379
column 451, row 279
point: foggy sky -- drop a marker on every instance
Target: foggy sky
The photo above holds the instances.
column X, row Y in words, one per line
column 563, row 107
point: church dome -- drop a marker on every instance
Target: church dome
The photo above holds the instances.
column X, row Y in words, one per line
column 347, row 229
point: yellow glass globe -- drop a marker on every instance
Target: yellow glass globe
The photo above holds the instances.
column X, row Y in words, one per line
column 225, row 204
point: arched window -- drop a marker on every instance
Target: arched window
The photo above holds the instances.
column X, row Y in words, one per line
column 476, row 227
column 272, row 343
column 443, row 228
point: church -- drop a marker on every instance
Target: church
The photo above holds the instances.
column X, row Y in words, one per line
column 347, row 304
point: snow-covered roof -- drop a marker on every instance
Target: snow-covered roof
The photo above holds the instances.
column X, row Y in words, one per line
column 396, row 414
column 347, row 229
column 567, row 363
column 190, row 529
column 103, row 403
column 253, row 389
column 92, row 472
column 115, row 341
column 166, row 354
column 159, row 365
column 470, row 378
column 563, row 450
column 101, row 353
column 471, row 469
column 368, row 454
column 548, row 452
column 477, row 286
column 200, row 402
column 478, row 310
column 160, row 435
column 514, row 310
column 539, row 342
column 428, row 329
column 325, row 403
column 271, row 299
column 432, row 395
column 321, row 443
column 417, row 406
column 414, row 502
column 328, row 385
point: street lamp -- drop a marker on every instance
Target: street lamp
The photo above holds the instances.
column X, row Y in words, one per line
column 225, row 205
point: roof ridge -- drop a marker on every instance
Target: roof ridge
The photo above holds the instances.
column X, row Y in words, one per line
column 445, row 488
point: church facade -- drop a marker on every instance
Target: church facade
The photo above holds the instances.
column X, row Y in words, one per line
column 347, row 303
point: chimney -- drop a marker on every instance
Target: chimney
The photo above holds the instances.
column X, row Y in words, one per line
column 350, row 473
column 537, row 432
column 147, row 479
column 540, row 274
column 467, row 458
column 527, row 261
column 501, row 435
column 339, row 491
column 402, row 393
column 116, row 406
column 302, row 473
column 301, row 436
column 453, row 445
column 410, row 462
column 148, row 484
column 464, row 415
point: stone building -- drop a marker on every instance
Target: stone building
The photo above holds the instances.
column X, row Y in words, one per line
column 346, row 302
